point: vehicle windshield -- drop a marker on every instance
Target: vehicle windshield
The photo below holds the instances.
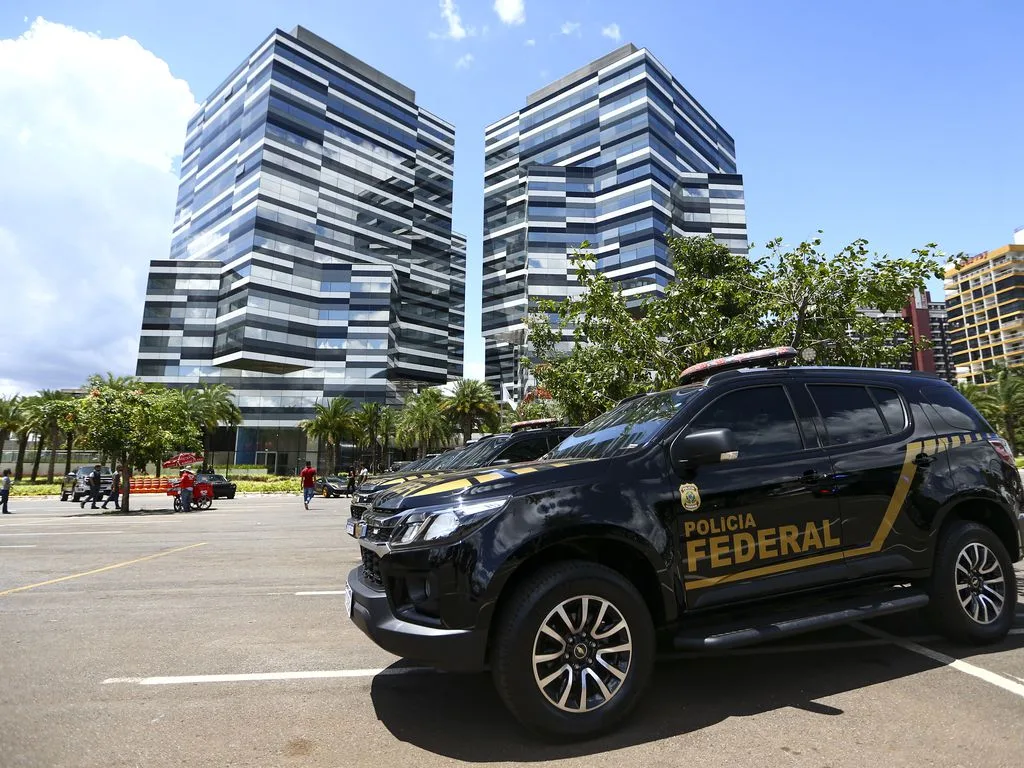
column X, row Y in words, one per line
column 447, row 460
column 478, row 453
column 333, row 479
column 630, row 426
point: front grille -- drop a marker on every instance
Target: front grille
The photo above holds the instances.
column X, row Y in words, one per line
column 358, row 510
column 371, row 567
column 379, row 533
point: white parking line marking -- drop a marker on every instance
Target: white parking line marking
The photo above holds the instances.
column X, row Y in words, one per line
column 324, row 592
column 61, row 533
column 982, row 674
column 17, row 546
column 266, row 676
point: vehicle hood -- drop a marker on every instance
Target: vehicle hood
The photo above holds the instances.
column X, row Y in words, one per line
column 509, row 479
column 390, row 481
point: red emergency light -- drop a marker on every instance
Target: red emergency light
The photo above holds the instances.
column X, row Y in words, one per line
column 760, row 358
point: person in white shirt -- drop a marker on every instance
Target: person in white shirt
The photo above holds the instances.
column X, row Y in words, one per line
column 5, row 491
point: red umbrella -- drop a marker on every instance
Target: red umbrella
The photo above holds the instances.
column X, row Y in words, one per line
column 182, row 460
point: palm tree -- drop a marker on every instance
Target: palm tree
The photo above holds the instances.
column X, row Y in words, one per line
column 52, row 410
column 21, row 426
column 422, row 423
column 35, row 423
column 331, row 423
column 9, row 419
column 387, row 425
column 1002, row 402
column 470, row 405
column 216, row 407
column 367, row 421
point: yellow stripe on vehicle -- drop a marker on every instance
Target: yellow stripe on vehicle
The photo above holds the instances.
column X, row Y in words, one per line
column 523, row 470
column 451, row 485
column 486, row 478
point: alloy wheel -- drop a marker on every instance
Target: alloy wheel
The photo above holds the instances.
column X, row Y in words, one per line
column 582, row 654
column 980, row 583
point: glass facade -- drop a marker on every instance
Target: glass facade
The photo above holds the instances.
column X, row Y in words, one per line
column 617, row 154
column 312, row 253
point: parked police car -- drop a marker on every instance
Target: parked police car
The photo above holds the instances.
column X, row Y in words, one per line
column 745, row 506
column 525, row 441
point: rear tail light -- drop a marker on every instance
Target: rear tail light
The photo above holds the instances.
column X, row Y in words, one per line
column 1003, row 449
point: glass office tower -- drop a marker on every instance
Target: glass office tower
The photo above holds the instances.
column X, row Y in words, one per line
column 312, row 252
column 617, row 154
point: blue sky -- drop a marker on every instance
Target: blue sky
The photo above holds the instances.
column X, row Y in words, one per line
column 901, row 122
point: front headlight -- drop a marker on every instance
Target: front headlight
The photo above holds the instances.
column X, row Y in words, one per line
column 442, row 522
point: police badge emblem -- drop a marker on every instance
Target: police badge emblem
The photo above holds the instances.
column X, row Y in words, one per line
column 690, row 497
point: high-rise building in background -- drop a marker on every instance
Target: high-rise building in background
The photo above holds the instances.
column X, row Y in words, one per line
column 617, row 154
column 927, row 324
column 312, row 254
column 985, row 303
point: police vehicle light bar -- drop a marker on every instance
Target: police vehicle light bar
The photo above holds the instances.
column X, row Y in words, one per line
column 761, row 358
column 532, row 424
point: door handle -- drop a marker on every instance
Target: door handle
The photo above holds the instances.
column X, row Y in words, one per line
column 811, row 477
column 924, row 459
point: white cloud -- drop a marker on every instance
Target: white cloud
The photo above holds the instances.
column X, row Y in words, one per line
column 571, row 28
column 510, row 11
column 464, row 61
column 450, row 13
column 530, row 43
column 89, row 131
column 612, row 31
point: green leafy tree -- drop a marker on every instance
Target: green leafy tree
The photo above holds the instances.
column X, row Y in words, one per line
column 135, row 422
column 470, row 405
column 21, row 426
column 331, row 423
column 422, row 424
column 527, row 411
column 594, row 349
column 35, row 423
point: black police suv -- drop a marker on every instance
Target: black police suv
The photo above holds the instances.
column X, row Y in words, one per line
column 526, row 441
column 750, row 504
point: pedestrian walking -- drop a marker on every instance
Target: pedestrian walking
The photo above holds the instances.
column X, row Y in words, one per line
column 95, row 493
column 308, row 476
column 351, row 480
column 185, row 486
column 364, row 473
column 115, row 490
column 5, row 491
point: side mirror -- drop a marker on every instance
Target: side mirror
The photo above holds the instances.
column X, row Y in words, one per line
column 708, row 446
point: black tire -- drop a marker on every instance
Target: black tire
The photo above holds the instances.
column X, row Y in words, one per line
column 518, row 639
column 231, row 496
column 965, row 542
column 63, row 496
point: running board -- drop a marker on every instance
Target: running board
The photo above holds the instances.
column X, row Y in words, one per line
column 793, row 622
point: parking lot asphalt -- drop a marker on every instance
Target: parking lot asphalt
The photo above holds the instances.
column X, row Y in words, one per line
column 219, row 638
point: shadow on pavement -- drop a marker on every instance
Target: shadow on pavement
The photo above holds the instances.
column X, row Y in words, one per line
column 138, row 512
column 461, row 716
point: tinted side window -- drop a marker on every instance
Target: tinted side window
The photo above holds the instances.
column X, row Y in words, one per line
column 761, row 418
column 891, row 405
column 525, row 450
column 849, row 413
column 954, row 409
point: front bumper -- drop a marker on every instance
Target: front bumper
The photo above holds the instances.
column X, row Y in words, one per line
column 453, row 649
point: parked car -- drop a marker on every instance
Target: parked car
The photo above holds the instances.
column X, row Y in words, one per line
column 527, row 441
column 75, row 485
column 751, row 503
column 222, row 487
column 330, row 486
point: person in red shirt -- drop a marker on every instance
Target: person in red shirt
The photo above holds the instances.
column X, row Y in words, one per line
column 308, row 476
column 185, row 486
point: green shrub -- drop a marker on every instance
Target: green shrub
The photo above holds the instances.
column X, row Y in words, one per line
column 270, row 485
column 1020, row 462
column 28, row 488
